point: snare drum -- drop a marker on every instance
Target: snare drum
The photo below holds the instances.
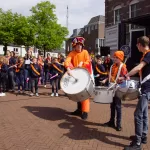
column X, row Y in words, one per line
column 129, row 92
column 80, row 89
column 103, row 95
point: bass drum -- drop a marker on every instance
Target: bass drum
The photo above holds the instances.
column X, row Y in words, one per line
column 79, row 87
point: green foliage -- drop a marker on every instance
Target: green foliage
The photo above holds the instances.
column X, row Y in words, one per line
column 6, row 26
column 40, row 29
column 49, row 34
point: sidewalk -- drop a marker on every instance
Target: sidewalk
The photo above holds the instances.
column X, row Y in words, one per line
column 43, row 123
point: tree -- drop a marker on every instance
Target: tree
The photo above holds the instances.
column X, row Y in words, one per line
column 24, row 32
column 6, row 28
column 49, row 34
column 16, row 29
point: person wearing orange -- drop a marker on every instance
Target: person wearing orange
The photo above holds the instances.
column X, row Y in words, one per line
column 116, row 104
column 79, row 57
column 41, row 64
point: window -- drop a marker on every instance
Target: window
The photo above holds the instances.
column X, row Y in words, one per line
column 15, row 49
column 89, row 30
column 133, row 9
column 117, row 14
column 96, row 26
column 92, row 27
column 85, row 29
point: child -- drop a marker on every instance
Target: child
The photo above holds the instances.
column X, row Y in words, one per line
column 3, row 75
column 99, row 72
column 56, row 71
column 20, row 74
column 116, row 104
column 34, row 76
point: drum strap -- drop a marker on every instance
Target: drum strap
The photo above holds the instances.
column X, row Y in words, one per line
column 145, row 79
column 118, row 74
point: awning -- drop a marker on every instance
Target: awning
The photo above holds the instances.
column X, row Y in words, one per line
column 143, row 20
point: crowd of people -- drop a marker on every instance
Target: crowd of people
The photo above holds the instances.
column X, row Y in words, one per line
column 27, row 73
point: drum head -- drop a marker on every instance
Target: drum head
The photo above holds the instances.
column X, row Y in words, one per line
column 70, row 86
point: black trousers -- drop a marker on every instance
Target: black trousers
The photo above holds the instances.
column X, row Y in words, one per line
column 3, row 82
column 116, row 110
column 34, row 84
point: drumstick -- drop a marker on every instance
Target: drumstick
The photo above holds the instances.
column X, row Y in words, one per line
column 53, row 76
column 111, row 86
column 74, row 78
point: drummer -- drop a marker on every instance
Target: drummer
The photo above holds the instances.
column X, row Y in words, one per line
column 99, row 71
column 141, row 112
column 79, row 57
column 116, row 104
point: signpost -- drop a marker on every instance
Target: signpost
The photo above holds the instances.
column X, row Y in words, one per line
column 126, row 49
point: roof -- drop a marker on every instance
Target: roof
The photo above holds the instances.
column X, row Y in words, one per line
column 97, row 19
column 143, row 20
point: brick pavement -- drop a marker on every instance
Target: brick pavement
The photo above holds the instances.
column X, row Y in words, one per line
column 43, row 123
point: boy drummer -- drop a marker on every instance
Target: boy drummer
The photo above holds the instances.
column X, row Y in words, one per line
column 116, row 104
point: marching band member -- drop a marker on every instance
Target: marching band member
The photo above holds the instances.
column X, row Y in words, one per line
column 47, row 63
column 99, row 72
column 116, row 104
column 11, row 71
column 34, row 76
column 79, row 57
column 108, row 63
column 41, row 64
column 20, row 74
column 141, row 112
column 3, row 75
column 27, row 59
column 55, row 71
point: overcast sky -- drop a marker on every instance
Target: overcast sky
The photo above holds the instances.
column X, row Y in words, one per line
column 80, row 12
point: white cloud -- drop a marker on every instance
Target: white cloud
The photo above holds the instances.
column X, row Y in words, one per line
column 80, row 12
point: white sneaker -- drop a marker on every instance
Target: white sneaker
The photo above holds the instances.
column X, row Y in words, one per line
column 37, row 94
column 56, row 95
column 45, row 86
column 52, row 94
column 2, row 94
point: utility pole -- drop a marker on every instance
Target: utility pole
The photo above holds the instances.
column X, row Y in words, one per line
column 67, row 17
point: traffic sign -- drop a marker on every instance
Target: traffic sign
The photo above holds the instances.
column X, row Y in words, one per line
column 126, row 49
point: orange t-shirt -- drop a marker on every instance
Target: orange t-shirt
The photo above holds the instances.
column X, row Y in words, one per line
column 74, row 58
column 115, row 70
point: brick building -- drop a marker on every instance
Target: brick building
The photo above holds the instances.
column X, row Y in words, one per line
column 125, row 21
column 93, row 33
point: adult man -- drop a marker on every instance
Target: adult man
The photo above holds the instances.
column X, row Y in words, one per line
column 141, row 112
column 108, row 63
column 79, row 57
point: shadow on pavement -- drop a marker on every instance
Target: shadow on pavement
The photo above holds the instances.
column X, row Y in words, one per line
column 78, row 129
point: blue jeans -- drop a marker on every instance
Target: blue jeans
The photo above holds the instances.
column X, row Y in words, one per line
column 20, row 81
column 141, row 117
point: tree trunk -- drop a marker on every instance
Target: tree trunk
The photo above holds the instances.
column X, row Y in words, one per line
column 44, row 51
column 5, row 49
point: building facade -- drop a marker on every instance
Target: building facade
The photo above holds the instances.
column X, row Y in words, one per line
column 93, row 33
column 125, row 21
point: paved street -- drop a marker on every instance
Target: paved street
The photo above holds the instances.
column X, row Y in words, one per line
column 43, row 123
